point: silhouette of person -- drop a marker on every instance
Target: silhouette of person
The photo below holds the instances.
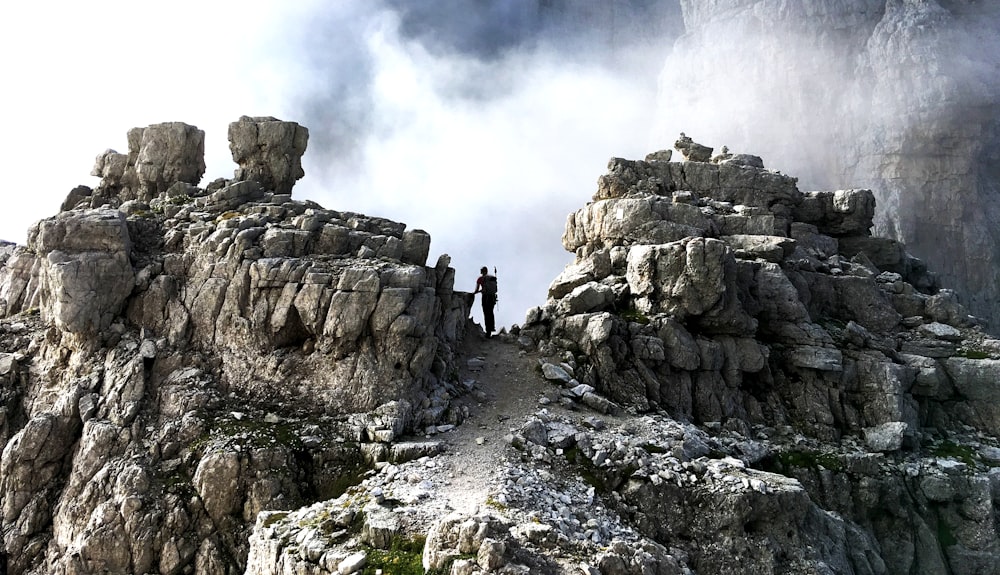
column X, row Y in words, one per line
column 487, row 285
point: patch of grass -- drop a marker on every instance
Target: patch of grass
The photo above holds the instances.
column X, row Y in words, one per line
column 349, row 478
column 974, row 354
column 179, row 483
column 274, row 518
column 633, row 315
column 492, row 502
column 179, row 200
column 948, row 448
column 256, row 433
column 404, row 557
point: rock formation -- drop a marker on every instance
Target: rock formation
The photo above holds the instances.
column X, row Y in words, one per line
column 720, row 294
column 733, row 376
column 178, row 358
column 896, row 96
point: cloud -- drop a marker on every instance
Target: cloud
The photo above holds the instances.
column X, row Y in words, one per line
column 482, row 123
column 490, row 173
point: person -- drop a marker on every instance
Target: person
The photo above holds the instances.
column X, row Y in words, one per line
column 487, row 284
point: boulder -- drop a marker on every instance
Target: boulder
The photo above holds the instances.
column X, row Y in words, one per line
column 86, row 273
column 268, row 151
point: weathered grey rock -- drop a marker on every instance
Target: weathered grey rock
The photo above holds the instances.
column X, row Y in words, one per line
column 687, row 279
column 167, row 153
column 768, row 248
column 977, row 383
column 268, row 151
column 692, row 151
column 555, row 373
column 627, row 221
column 155, row 464
column 586, row 298
column 898, row 132
column 885, row 437
column 839, row 213
column 86, row 274
column 941, row 331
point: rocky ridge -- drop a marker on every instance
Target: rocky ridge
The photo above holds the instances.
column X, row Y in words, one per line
column 741, row 379
column 177, row 359
column 733, row 376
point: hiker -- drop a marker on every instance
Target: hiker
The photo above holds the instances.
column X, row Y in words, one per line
column 487, row 284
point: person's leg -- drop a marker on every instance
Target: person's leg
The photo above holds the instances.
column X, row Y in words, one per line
column 488, row 316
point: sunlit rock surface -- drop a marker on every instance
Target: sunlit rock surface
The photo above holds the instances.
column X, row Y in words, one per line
column 178, row 358
column 802, row 322
column 732, row 376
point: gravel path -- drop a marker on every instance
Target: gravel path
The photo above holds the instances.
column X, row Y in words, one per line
column 506, row 393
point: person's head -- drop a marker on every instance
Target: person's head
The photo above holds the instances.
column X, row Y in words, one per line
column 484, row 270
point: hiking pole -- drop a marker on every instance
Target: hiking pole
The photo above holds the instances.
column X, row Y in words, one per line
column 497, row 296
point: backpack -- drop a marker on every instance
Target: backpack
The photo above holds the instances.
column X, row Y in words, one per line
column 490, row 286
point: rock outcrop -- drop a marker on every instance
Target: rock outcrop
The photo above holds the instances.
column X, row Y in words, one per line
column 733, row 376
column 904, row 91
column 177, row 359
column 717, row 292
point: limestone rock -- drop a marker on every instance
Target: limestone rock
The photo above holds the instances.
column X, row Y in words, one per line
column 268, row 151
column 184, row 359
column 693, row 151
column 86, row 274
column 901, row 129
column 159, row 156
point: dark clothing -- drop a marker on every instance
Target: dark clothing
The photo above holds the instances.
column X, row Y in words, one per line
column 488, row 302
column 488, row 289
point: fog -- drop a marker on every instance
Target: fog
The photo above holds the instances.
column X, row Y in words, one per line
column 483, row 123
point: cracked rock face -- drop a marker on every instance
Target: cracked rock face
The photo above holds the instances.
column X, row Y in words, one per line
column 803, row 318
column 177, row 359
column 268, row 151
column 732, row 376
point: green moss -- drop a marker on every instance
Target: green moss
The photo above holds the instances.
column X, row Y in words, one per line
column 178, row 483
column 832, row 324
column 633, row 315
column 274, row 518
column 254, row 433
column 350, row 477
column 404, row 557
column 963, row 453
column 945, row 535
column 492, row 502
column 974, row 354
column 179, row 200
column 788, row 460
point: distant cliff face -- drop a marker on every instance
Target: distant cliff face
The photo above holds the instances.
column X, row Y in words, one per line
column 898, row 96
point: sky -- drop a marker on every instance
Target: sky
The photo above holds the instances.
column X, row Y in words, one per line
column 483, row 123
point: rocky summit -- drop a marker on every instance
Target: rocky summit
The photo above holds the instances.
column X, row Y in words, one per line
column 732, row 376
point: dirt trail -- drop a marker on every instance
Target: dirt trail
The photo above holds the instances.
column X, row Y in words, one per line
column 474, row 450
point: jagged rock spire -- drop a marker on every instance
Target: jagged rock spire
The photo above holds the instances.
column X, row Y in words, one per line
column 268, row 151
